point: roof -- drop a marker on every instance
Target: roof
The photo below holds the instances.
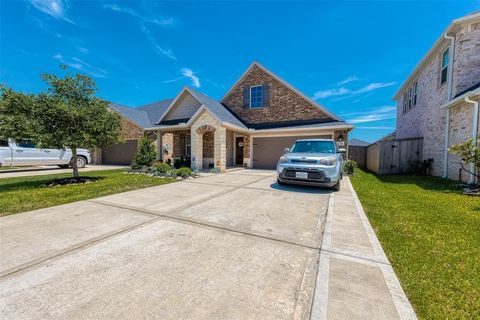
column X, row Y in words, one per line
column 144, row 116
column 451, row 27
column 357, row 143
column 289, row 86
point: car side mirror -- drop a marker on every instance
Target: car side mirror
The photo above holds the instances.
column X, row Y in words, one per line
column 341, row 150
column 286, row 150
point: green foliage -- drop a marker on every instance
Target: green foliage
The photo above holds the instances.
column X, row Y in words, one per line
column 66, row 115
column 162, row 167
column 146, row 154
column 184, row 172
column 418, row 167
column 349, row 167
column 467, row 151
column 429, row 231
column 214, row 170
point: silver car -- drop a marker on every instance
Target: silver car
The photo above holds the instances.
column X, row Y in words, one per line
column 316, row 162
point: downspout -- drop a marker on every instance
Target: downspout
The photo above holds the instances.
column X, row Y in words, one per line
column 474, row 133
column 451, row 56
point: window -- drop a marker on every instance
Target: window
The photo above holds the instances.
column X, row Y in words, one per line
column 26, row 144
column 256, row 97
column 3, row 143
column 188, row 144
column 444, row 71
column 410, row 97
column 313, row 147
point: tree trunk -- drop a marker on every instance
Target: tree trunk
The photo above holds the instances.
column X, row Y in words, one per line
column 74, row 161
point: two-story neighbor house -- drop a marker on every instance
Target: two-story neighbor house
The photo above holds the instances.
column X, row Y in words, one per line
column 439, row 100
column 250, row 126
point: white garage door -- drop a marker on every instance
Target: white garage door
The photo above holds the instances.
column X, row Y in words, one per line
column 267, row 151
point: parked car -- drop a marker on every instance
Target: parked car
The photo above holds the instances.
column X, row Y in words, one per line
column 316, row 162
column 25, row 153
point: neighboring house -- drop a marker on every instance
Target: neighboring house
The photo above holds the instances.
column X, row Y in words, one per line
column 439, row 100
column 250, row 126
column 357, row 143
column 357, row 151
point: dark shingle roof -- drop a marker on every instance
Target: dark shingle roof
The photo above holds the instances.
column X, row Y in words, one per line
column 144, row 116
column 357, row 143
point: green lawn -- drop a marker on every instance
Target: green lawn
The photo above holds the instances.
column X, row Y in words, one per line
column 26, row 193
column 7, row 168
column 431, row 234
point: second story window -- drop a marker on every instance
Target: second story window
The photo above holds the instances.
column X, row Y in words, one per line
column 410, row 97
column 444, row 71
column 256, row 97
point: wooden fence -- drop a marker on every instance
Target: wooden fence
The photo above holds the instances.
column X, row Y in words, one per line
column 358, row 154
column 394, row 156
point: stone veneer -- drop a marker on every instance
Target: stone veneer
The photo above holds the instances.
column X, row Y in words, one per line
column 220, row 142
column 427, row 119
column 284, row 104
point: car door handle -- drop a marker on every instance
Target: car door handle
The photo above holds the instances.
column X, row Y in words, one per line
column 19, row 150
column 47, row 151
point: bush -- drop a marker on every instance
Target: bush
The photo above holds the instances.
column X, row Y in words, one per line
column 162, row 167
column 146, row 154
column 214, row 170
column 171, row 173
column 184, row 172
column 349, row 167
column 418, row 167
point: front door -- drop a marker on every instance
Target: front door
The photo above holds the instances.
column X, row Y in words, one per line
column 239, row 151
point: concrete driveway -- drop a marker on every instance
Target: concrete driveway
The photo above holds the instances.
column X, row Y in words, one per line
column 230, row 246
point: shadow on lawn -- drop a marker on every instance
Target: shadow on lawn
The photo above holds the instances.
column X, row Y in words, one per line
column 37, row 183
column 424, row 182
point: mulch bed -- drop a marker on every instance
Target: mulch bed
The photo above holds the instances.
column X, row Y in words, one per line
column 72, row 180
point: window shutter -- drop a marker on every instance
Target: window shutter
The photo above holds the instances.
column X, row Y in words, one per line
column 246, row 97
column 266, row 94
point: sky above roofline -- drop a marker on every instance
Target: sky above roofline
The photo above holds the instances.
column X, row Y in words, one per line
column 350, row 57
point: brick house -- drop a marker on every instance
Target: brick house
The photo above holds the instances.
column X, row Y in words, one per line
column 250, row 126
column 439, row 100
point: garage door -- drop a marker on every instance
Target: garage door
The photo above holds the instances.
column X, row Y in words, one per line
column 122, row 153
column 267, row 151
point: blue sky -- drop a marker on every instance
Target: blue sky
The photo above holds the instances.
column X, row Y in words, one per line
column 349, row 56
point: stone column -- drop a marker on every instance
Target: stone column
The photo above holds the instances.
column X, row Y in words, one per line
column 159, row 146
column 220, row 149
column 196, row 150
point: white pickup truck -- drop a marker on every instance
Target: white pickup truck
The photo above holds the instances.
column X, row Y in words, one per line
column 25, row 153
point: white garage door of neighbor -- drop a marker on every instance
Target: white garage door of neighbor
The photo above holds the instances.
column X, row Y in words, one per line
column 267, row 151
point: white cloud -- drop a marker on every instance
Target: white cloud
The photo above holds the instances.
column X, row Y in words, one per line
column 345, row 91
column 348, row 80
column 54, row 8
column 377, row 114
column 44, row 27
column 160, row 22
column 79, row 64
column 160, row 50
column 186, row 72
column 83, row 50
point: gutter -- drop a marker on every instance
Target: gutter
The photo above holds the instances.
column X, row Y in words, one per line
column 474, row 133
column 451, row 58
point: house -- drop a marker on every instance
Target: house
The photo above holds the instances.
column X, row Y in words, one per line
column 250, row 126
column 357, row 151
column 439, row 100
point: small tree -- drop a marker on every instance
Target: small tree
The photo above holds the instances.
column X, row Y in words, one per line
column 66, row 115
column 146, row 154
column 469, row 152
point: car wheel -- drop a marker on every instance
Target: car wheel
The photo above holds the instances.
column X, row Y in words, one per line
column 337, row 186
column 81, row 162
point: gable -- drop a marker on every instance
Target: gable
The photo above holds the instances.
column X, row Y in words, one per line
column 184, row 108
column 284, row 104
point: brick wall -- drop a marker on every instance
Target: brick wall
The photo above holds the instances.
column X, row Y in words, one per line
column 466, row 71
column 284, row 104
column 130, row 130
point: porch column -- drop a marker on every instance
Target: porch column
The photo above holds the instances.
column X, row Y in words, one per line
column 159, row 145
column 220, row 148
column 196, row 145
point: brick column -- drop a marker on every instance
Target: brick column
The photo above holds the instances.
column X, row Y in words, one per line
column 220, row 148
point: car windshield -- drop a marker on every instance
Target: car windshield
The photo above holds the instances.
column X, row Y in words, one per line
column 313, row 147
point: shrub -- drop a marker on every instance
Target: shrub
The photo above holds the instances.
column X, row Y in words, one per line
column 418, row 167
column 171, row 173
column 146, row 154
column 349, row 167
column 184, row 172
column 214, row 170
column 162, row 167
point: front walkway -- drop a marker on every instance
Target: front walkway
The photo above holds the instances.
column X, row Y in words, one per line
column 229, row 246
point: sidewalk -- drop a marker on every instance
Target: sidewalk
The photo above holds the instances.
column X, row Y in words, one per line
column 355, row 279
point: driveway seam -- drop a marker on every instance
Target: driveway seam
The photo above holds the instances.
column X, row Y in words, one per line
column 85, row 244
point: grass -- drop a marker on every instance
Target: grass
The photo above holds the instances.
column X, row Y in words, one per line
column 7, row 168
column 26, row 193
column 431, row 234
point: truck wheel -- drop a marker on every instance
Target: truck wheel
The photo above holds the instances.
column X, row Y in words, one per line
column 81, row 162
